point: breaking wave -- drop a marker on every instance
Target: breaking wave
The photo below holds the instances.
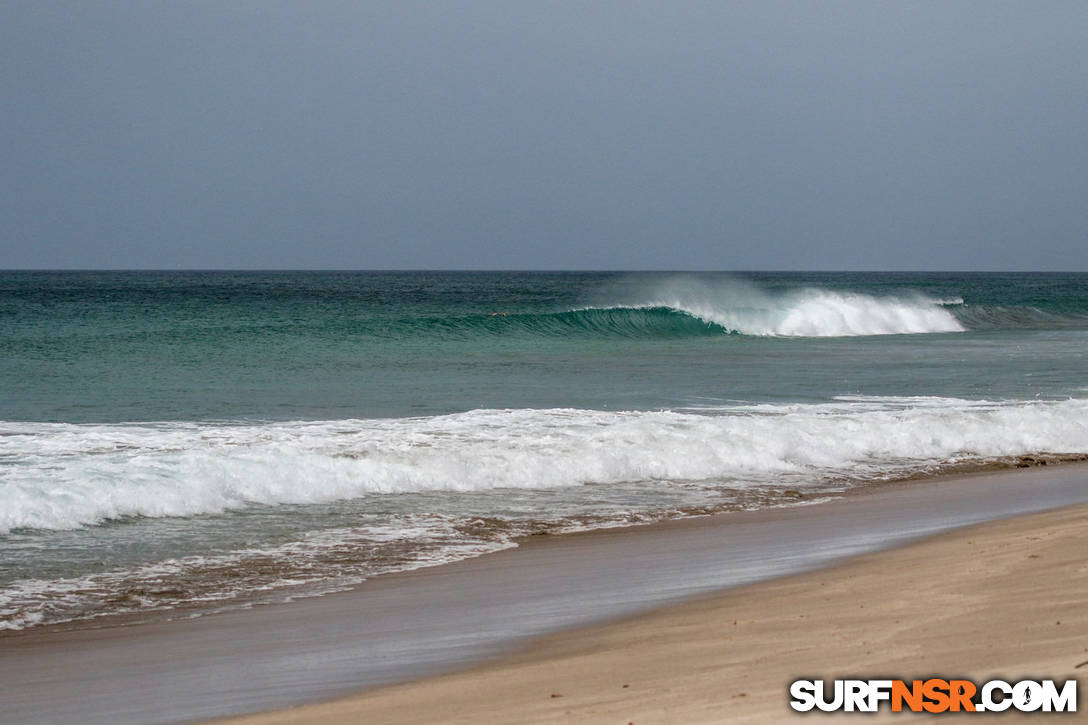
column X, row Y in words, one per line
column 808, row 313
column 63, row 476
column 821, row 313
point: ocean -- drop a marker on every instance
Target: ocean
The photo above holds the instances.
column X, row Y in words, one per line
column 177, row 443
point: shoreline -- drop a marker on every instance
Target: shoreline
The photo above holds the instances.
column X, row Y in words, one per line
column 1013, row 610
column 415, row 624
column 193, row 609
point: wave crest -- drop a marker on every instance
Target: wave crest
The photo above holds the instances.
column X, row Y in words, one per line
column 809, row 313
column 822, row 313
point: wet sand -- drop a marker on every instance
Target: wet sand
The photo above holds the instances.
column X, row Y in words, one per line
column 998, row 600
column 423, row 623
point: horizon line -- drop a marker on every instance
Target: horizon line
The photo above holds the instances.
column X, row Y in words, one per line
column 555, row 270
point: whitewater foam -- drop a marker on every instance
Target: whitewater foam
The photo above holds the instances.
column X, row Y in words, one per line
column 63, row 476
column 321, row 562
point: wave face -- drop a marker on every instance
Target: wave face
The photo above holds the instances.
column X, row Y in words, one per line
column 62, row 476
column 684, row 306
column 822, row 313
column 809, row 313
column 636, row 321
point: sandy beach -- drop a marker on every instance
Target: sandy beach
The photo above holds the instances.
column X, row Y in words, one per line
column 1003, row 599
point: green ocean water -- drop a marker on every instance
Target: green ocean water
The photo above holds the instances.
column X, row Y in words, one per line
column 110, row 347
column 200, row 439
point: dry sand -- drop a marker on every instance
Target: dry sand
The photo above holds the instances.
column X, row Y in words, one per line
column 1008, row 599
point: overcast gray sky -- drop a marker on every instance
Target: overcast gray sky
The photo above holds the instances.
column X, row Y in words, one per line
column 544, row 135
